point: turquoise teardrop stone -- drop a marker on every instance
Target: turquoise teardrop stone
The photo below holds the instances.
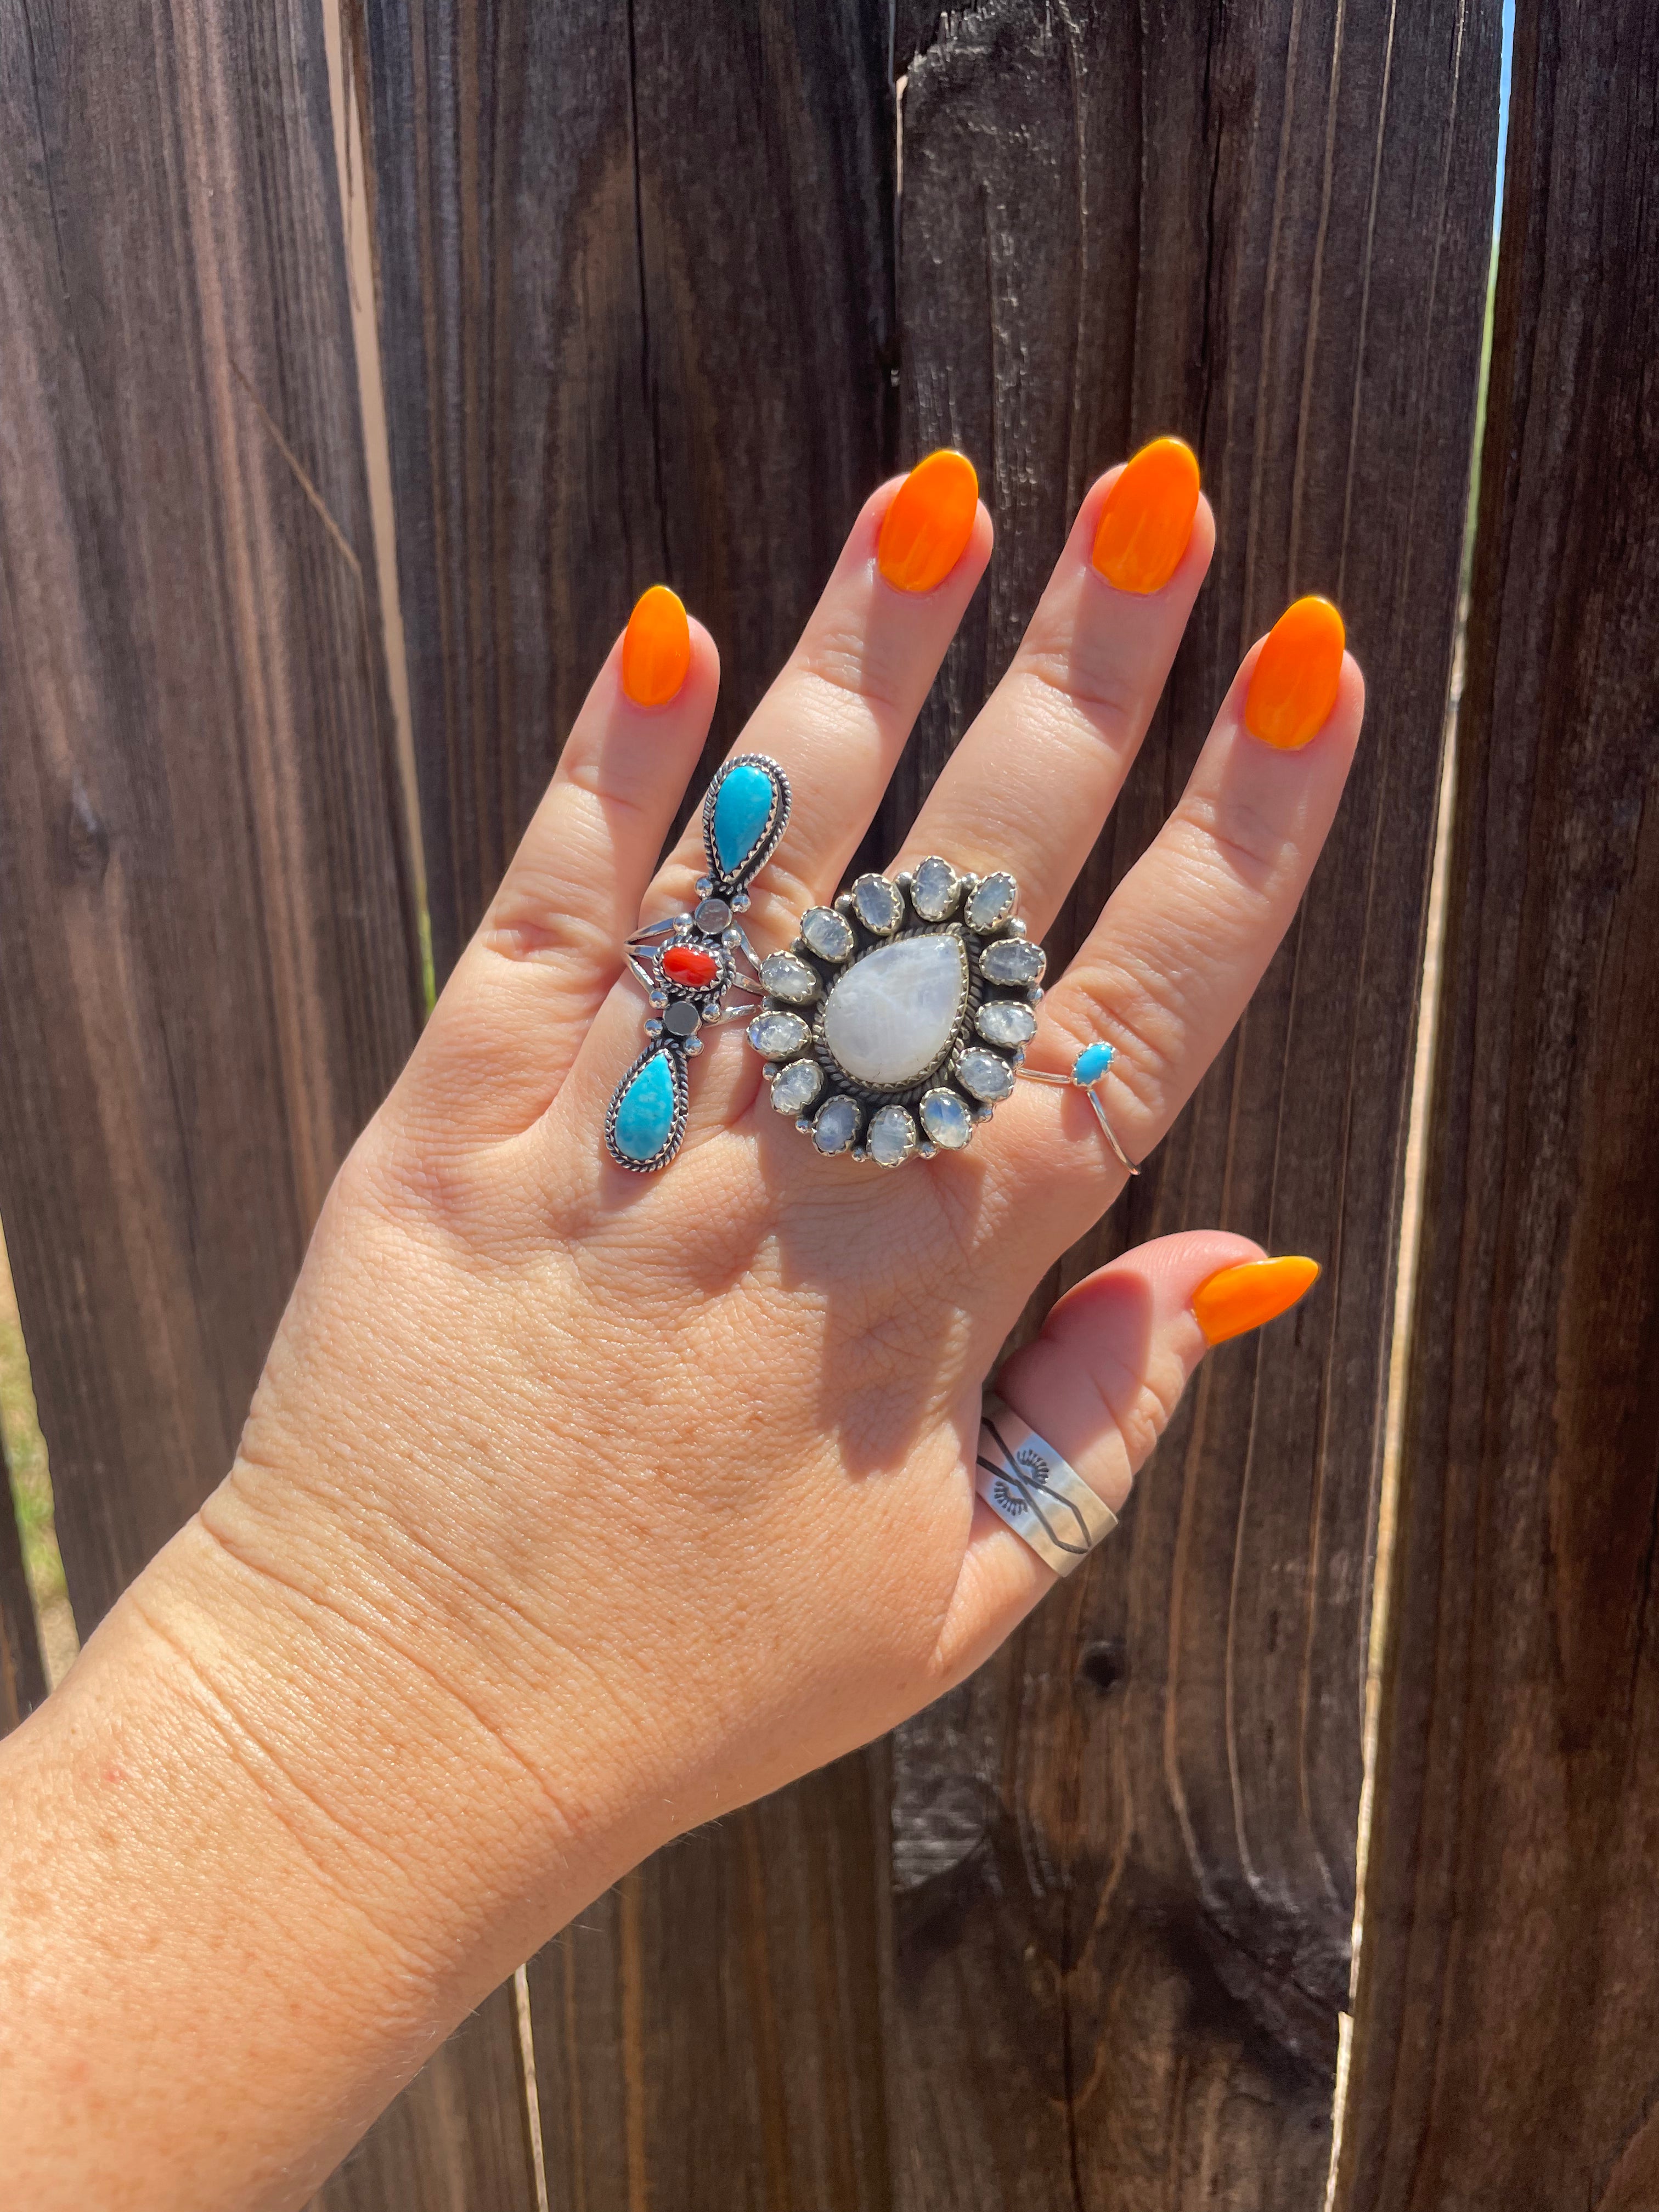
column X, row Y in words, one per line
column 1091, row 1063
column 743, row 807
column 646, row 1112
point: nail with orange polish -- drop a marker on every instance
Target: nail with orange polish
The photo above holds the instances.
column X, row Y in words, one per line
column 925, row 532
column 656, row 648
column 1147, row 520
column 1240, row 1298
column 1294, row 683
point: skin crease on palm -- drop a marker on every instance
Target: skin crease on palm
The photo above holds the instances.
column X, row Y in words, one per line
column 577, row 1507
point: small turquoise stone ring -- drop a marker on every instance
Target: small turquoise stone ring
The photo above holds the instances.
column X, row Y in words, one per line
column 1087, row 1069
column 691, row 963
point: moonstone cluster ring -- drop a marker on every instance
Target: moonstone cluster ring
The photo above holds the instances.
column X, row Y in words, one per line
column 897, row 1020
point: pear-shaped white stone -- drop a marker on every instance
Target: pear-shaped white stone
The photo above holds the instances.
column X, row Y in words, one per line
column 892, row 1015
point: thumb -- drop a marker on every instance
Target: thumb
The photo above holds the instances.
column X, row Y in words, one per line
column 1100, row 1384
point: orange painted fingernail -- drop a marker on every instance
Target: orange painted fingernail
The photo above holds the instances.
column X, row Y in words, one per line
column 1293, row 684
column 1148, row 518
column 1240, row 1298
column 656, row 648
column 925, row 532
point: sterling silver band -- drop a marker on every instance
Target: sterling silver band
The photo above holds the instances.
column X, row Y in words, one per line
column 1028, row 1485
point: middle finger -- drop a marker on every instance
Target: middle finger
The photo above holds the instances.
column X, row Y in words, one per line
column 1030, row 786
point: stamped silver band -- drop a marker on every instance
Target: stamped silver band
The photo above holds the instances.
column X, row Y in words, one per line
column 1028, row 1485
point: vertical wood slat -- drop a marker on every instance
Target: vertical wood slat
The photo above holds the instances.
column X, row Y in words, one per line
column 208, row 976
column 635, row 280
column 1508, row 2008
column 634, row 285
column 209, row 970
column 1125, row 1852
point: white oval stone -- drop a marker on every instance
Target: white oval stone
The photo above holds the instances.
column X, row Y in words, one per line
column 778, row 1035
column 935, row 889
column 797, row 1086
column 994, row 897
column 1013, row 960
column 828, row 933
column 1004, row 1021
column 946, row 1120
column 880, row 907
column 836, row 1125
column 988, row 1078
column 786, row 977
column 892, row 1015
column 892, row 1137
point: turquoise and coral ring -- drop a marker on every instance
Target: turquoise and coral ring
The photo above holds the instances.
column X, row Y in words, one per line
column 696, row 965
column 1087, row 1069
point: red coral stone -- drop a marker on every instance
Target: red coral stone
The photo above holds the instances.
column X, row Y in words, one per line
column 689, row 966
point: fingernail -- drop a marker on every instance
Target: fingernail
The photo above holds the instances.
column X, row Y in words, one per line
column 656, row 648
column 1240, row 1298
column 925, row 532
column 1148, row 518
column 1293, row 684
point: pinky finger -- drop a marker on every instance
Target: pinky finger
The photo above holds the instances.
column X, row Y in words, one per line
column 1100, row 1384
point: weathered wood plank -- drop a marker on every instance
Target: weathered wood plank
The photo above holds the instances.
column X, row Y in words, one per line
column 455, row 2141
column 635, row 277
column 209, row 971
column 635, row 280
column 1125, row 1853
column 209, row 974
column 1506, row 2047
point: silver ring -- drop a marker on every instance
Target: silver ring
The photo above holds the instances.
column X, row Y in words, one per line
column 1029, row 1487
column 1088, row 1069
column 897, row 1020
column 693, row 963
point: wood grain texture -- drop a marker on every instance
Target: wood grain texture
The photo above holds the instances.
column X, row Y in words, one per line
column 455, row 2141
column 635, row 279
column 209, row 971
column 708, row 2035
column 1506, row 2045
column 23, row 1671
column 1125, row 1852
column 209, row 976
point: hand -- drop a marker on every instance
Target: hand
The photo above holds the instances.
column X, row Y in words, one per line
column 593, row 1503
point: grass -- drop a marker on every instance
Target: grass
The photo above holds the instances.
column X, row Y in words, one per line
column 30, row 1489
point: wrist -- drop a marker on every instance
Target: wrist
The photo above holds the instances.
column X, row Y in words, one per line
column 283, row 1862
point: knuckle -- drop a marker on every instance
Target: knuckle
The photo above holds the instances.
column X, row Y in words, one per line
column 1056, row 684
column 1247, row 844
column 1132, row 1011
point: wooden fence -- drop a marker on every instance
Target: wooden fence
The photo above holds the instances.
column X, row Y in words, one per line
column 660, row 290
